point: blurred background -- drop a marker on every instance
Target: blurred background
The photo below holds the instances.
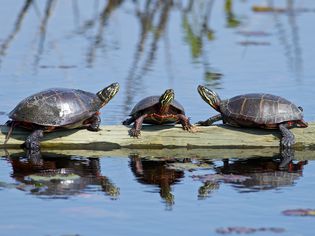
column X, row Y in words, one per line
column 148, row 46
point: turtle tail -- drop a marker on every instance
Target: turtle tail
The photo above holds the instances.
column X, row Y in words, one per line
column 12, row 124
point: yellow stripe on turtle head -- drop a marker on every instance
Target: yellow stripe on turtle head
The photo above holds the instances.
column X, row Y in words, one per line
column 167, row 97
column 209, row 96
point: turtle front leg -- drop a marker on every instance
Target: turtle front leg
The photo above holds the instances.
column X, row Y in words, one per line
column 184, row 120
column 95, row 123
column 135, row 131
column 288, row 139
column 32, row 141
column 210, row 121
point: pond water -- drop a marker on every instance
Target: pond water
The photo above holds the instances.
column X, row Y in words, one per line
column 233, row 47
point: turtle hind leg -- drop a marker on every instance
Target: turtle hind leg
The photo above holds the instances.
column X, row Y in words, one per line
column 288, row 139
column 95, row 122
column 210, row 121
column 32, row 141
column 135, row 131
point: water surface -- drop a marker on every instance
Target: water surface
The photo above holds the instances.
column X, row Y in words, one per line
column 233, row 47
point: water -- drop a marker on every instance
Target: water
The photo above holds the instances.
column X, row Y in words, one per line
column 148, row 48
column 131, row 195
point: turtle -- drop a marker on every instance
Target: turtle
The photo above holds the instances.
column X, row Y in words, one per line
column 158, row 110
column 259, row 110
column 57, row 108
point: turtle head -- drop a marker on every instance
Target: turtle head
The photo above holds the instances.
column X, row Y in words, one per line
column 106, row 94
column 210, row 97
column 167, row 97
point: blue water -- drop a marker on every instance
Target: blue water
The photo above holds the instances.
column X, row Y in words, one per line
column 147, row 49
column 139, row 209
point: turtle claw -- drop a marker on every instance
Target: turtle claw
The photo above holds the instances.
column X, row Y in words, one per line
column 134, row 133
column 190, row 128
column 95, row 123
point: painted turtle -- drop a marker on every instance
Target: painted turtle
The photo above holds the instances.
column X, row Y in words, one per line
column 255, row 110
column 157, row 110
column 57, row 108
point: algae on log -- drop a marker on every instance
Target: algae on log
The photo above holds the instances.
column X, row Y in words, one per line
column 157, row 137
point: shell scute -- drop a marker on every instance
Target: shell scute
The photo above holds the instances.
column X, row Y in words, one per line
column 152, row 101
column 260, row 109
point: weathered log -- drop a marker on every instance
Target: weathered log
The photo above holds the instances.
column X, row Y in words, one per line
column 157, row 137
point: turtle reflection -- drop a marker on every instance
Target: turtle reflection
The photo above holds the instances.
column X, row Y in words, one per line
column 155, row 172
column 263, row 173
column 59, row 176
column 250, row 175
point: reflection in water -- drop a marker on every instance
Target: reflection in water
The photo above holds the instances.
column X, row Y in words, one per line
column 97, row 40
column 207, row 189
column 292, row 50
column 154, row 19
column 196, row 25
column 59, row 176
column 198, row 34
column 17, row 26
column 42, row 30
column 155, row 172
column 231, row 19
column 246, row 175
column 264, row 173
column 146, row 12
column 251, row 175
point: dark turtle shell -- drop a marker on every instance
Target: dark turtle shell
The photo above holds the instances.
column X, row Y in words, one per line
column 260, row 109
column 151, row 101
column 56, row 107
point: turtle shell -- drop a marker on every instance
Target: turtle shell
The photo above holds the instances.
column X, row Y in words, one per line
column 260, row 109
column 56, row 107
column 151, row 101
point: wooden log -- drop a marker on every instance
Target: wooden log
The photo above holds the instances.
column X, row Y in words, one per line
column 157, row 137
